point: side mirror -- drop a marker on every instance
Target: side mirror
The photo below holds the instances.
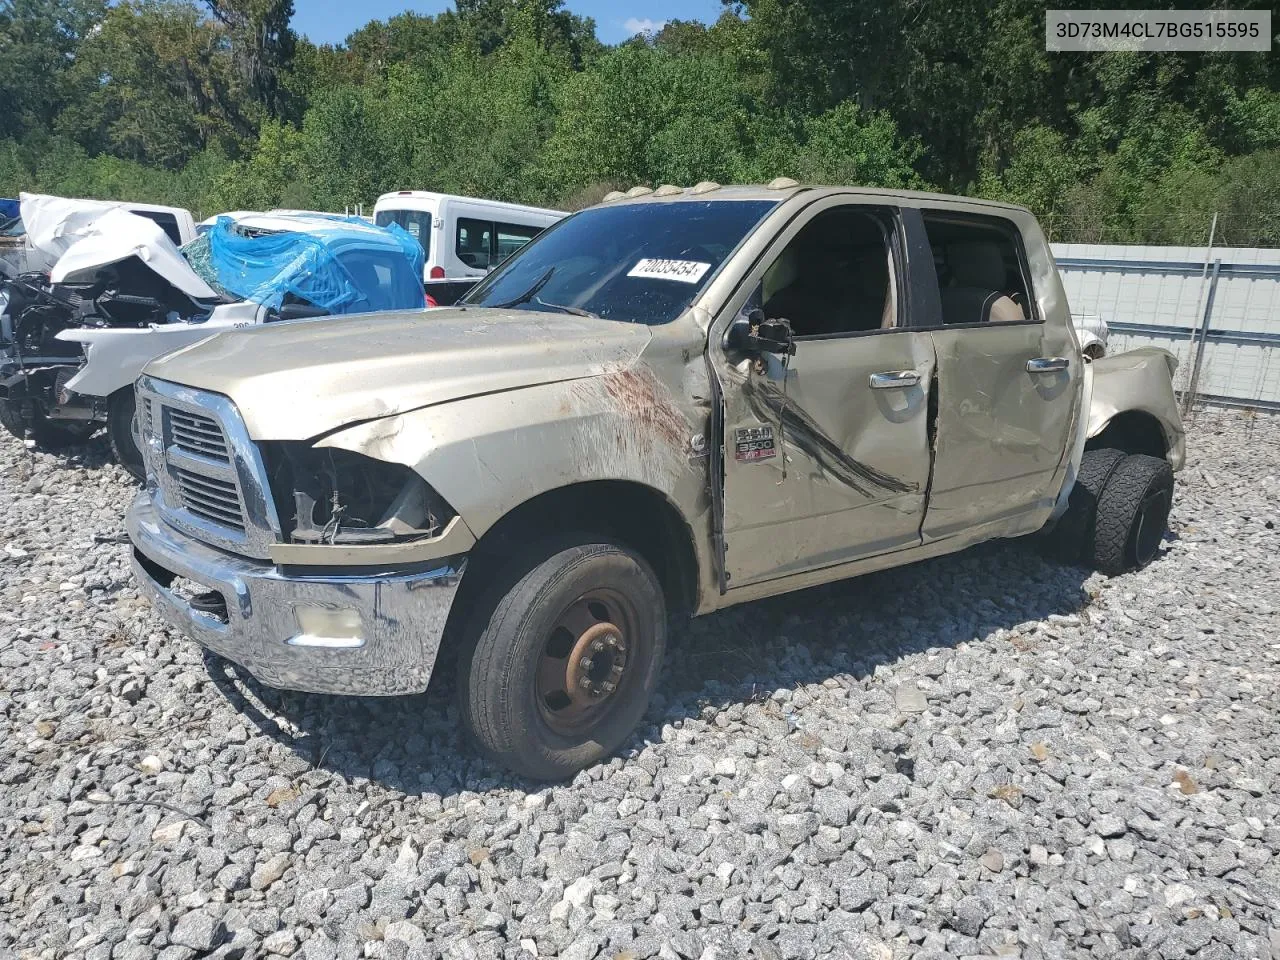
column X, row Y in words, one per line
column 755, row 334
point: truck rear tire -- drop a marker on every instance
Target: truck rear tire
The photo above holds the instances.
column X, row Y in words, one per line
column 1133, row 513
column 560, row 669
column 1072, row 539
column 121, row 410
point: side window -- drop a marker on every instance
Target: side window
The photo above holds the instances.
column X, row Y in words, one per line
column 980, row 269
column 475, row 243
column 513, row 236
column 836, row 275
column 165, row 221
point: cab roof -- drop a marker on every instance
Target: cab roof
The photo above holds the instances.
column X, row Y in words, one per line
column 784, row 189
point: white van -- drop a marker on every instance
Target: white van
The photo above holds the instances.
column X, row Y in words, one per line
column 463, row 237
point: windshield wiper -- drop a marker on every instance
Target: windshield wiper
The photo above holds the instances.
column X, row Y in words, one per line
column 528, row 294
column 576, row 311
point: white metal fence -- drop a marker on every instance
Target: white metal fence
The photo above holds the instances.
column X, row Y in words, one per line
column 1217, row 309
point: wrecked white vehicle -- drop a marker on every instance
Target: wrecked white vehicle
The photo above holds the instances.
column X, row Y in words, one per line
column 1093, row 332
column 681, row 399
column 72, row 343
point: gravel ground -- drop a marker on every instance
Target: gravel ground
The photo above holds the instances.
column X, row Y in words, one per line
column 984, row 755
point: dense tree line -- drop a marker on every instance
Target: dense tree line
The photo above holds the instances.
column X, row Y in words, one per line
column 219, row 105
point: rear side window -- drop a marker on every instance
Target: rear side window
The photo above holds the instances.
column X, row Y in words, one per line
column 165, row 221
column 417, row 223
column 981, row 267
column 513, row 236
column 482, row 244
column 475, row 243
column 385, row 282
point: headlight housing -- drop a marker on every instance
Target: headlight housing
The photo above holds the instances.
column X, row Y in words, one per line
column 332, row 496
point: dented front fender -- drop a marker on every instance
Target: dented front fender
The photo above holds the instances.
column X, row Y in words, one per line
column 487, row 455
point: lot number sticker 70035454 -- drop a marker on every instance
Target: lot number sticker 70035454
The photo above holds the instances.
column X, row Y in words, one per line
column 685, row 271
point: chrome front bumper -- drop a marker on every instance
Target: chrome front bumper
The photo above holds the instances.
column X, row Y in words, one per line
column 375, row 635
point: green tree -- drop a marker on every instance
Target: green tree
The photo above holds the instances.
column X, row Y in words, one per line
column 156, row 84
column 39, row 41
column 263, row 46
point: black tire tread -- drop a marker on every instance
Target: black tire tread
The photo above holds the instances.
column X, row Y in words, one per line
column 120, row 414
column 1072, row 538
column 486, row 662
column 10, row 420
column 1118, row 507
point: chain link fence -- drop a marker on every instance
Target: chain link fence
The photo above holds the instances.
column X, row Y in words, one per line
column 1214, row 305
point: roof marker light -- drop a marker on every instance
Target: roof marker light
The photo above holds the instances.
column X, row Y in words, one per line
column 706, row 186
column 783, row 183
column 667, row 190
column 613, row 195
column 639, row 192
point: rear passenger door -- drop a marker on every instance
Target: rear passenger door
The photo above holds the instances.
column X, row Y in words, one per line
column 1007, row 380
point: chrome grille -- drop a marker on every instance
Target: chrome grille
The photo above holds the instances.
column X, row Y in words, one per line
column 197, row 434
column 205, row 475
column 214, row 500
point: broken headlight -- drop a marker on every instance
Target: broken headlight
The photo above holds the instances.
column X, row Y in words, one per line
column 339, row 497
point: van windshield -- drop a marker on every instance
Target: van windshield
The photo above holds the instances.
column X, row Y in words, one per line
column 639, row 262
column 417, row 223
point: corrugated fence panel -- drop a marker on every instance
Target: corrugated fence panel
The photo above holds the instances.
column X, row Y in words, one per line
column 1160, row 296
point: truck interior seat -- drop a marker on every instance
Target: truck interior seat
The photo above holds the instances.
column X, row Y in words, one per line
column 976, row 286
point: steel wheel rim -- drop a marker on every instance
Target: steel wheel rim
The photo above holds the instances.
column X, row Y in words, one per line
column 1149, row 528
column 589, row 662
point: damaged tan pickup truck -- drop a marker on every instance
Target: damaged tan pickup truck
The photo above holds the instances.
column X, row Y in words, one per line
column 680, row 399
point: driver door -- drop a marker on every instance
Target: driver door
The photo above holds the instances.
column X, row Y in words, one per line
column 826, row 454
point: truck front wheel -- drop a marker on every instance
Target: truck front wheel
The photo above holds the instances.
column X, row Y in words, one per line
column 560, row 669
column 1133, row 512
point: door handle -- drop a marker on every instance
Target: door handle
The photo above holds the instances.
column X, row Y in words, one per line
column 894, row 379
column 1047, row 364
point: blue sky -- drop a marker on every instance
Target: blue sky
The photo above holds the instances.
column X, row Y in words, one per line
column 330, row 21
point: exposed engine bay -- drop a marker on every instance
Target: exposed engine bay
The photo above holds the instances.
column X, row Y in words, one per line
column 35, row 364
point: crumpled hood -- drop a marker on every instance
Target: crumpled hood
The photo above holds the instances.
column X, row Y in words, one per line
column 296, row 380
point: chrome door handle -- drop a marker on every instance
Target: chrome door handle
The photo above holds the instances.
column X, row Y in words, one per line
column 894, row 378
column 1047, row 364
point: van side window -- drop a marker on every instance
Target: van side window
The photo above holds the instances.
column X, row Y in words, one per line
column 835, row 276
column 475, row 243
column 484, row 243
column 513, row 236
column 980, row 269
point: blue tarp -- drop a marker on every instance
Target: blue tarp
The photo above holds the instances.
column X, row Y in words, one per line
column 343, row 264
column 10, row 209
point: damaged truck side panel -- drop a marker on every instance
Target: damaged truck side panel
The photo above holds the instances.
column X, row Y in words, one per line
column 689, row 399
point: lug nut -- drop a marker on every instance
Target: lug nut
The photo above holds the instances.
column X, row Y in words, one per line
column 598, row 646
column 585, row 663
column 608, row 686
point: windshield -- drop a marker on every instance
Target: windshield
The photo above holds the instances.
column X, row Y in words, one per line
column 417, row 223
column 643, row 263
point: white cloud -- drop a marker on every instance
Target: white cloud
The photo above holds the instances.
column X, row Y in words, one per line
column 634, row 25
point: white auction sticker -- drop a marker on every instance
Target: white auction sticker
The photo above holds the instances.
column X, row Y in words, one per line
column 686, row 271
